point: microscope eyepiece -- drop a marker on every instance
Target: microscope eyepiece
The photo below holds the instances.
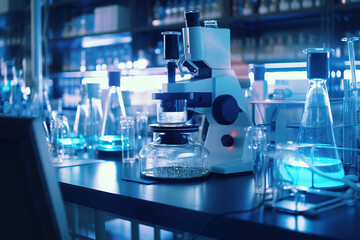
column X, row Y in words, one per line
column 171, row 45
column 192, row 18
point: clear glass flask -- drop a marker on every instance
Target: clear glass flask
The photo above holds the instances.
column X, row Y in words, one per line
column 110, row 144
column 93, row 123
column 81, row 116
column 316, row 128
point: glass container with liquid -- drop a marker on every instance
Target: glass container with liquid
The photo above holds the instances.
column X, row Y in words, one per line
column 94, row 120
column 81, row 116
column 110, row 144
column 316, row 138
column 173, row 154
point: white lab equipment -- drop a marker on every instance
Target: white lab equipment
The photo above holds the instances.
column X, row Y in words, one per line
column 173, row 154
column 217, row 94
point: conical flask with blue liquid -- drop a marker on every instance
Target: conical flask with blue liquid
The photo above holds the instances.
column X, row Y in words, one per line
column 110, row 141
column 316, row 138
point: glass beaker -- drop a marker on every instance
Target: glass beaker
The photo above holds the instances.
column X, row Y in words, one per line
column 316, row 127
column 61, row 145
column 288, row 171
column 174, row 155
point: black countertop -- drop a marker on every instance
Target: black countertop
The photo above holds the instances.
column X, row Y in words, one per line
column 188, row 206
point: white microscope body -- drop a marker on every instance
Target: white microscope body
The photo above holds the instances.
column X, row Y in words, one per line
column 207, row 56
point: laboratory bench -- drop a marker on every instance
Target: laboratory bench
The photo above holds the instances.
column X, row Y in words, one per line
column 217, row 201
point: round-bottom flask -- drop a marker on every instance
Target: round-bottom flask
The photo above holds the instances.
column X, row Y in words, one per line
column 173, row 154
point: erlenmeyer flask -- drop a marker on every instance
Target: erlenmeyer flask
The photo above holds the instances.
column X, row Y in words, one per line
column 316, row 136
column 110, row 142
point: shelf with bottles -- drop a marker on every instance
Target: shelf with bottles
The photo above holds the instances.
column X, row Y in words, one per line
column 91, row 58
column 172, row 11
column 72, row 19
column 274, row 9
column 347, row 6
column 274, row 46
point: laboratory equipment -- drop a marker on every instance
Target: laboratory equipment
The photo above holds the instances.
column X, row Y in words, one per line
column 316, row 127
column 216, row 93
column 173, row 154
column 110, row 145
column 258, row 144
column 351, row 110
column 61, row 146
column 286, row 177
column 94, row 120
column 141, row 131
column 127, row 133
column 81, row 116
column 9, row 72
column 284, row 5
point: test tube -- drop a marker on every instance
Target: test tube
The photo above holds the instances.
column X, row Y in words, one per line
column 128, row 139
column 258, row 143
column 141, row 127
column 350, row 43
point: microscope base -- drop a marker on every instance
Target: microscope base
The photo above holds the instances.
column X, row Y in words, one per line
column 233, row 166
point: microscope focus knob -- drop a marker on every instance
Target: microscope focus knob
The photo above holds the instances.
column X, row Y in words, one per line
column 227, row 140
column 225, row 109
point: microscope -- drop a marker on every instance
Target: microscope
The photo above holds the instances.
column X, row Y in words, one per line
column 216, row 93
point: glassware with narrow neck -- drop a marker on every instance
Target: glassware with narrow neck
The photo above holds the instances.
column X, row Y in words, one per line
column 316, row 137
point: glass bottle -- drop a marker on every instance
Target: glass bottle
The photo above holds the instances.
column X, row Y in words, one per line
column 94, row 120
column 284, row 5
column 295, row 4
column 110, row 144
column 316, row 135
column 247, row 8
column 307, row 4
column 263, row 9
column 81, row 116
column 273, row 6
column 8, row 81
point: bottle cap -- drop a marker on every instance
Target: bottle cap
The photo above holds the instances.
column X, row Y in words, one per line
column 114, row 78
column 93, row 90
column 318, row 62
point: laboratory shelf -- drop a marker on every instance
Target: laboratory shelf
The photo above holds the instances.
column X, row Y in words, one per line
column 288, row 15
column 103, row 73
column 349, row 7
column 84, row 3
column 113, row 34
